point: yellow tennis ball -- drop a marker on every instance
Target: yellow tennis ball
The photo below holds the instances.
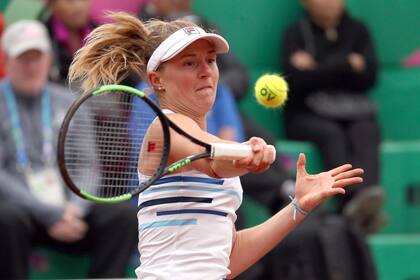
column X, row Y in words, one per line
column 271, row 90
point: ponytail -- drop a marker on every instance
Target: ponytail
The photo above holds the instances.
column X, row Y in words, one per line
column 114, row 50
column 111, row 52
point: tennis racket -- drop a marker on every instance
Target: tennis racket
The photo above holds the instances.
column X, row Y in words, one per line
column 107, row 130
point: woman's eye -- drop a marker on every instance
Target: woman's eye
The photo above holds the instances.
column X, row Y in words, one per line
column 189, row 63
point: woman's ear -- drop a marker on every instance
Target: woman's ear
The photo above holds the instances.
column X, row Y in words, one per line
column 155, row 81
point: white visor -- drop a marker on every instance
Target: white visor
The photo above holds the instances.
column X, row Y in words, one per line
column 181, row 39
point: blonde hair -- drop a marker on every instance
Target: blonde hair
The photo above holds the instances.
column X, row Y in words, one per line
column 114, row 50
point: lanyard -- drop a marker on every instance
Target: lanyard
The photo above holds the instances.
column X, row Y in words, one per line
column 22, row 159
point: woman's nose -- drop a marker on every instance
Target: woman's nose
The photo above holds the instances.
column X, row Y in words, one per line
column 205, row 70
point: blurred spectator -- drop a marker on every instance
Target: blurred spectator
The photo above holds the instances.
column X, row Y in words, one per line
column 159, row 9
column 36, row 207
column 68, row 23
column 330, row 63
column 1, row 53
column 99, row 8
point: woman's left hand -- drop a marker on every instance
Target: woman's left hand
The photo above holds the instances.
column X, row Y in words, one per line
column 311, row 190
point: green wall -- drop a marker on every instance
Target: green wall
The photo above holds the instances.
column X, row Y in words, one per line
column 21, row 9
column 395, row 25
column 255, row 30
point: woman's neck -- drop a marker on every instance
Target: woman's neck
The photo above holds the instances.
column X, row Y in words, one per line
column 200, row 119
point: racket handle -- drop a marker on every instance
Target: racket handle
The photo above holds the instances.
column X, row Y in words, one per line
column 225, row 151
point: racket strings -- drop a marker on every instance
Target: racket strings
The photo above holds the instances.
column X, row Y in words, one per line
column 104, row 140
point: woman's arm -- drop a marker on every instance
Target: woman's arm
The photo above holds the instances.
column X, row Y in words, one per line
column 259, row 161
column 251, row 244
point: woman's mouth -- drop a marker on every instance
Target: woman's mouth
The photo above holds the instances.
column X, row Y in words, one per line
column 204, row 88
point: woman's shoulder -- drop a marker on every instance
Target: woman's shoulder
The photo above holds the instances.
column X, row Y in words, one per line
column 180, row 119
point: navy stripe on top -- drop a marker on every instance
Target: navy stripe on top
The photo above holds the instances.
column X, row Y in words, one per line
column 194, row 188
column 189, row 179
column 191, row 211
column 175, row 199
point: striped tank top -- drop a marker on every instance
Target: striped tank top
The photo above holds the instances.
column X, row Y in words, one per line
column 186, row 224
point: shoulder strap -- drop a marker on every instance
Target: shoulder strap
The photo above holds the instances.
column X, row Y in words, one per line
column 167, row 111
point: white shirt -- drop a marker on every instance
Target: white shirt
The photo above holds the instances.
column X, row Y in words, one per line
column 186, row 224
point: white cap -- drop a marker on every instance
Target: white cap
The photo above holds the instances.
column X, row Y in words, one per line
column 23, row 36
column 181, row 39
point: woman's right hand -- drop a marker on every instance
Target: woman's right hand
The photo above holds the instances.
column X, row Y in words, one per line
column 263, row 155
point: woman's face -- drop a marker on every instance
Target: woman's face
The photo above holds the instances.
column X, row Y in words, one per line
column 190, row 79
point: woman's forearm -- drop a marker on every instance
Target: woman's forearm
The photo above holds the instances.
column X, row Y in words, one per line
column 226, row 169
column 251, row 244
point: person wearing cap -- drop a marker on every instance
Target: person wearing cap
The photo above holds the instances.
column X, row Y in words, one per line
column 36, row 209
column 198, row 240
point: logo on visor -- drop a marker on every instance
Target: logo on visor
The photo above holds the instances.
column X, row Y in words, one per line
column 190, row 30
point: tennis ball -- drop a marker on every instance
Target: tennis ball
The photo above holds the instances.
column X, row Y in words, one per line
column 271, row 90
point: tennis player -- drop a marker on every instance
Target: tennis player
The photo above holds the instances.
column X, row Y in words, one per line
column 186, row 220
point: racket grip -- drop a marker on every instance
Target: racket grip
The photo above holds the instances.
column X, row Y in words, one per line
column 225, row 151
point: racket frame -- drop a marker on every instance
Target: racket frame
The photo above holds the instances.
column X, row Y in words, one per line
column 63, row 133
